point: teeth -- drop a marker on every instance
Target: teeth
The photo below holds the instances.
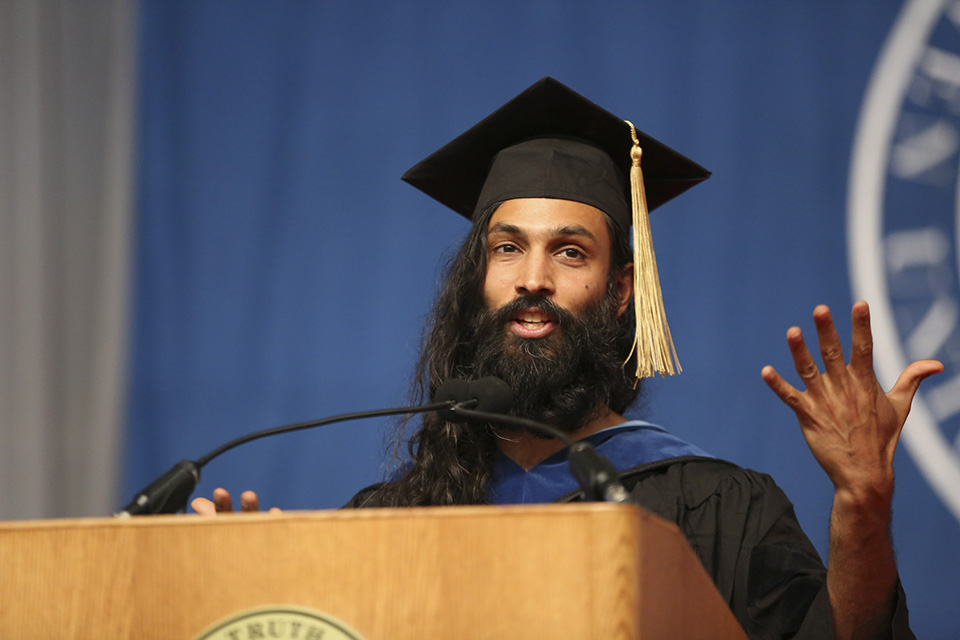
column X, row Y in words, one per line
column 532, row 318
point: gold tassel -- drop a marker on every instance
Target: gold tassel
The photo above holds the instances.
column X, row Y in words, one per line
column 652, row 343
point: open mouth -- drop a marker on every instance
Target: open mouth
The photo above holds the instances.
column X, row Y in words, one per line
column 533, row 323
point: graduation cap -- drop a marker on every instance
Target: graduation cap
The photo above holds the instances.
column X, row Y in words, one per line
column 551, row 142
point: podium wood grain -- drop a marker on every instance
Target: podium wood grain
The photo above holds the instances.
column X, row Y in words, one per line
column 545, row 571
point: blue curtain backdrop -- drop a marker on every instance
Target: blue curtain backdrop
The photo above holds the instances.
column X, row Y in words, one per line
column 284, row 271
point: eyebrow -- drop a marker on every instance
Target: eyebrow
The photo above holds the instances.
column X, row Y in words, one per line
column 574, row 230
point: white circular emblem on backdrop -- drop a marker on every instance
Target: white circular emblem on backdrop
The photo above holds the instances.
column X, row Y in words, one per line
column 902, row 229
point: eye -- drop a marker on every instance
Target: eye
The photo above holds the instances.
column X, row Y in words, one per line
column 505, row 247
column 572, row 253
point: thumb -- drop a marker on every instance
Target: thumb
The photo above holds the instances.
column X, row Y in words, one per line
column 204, row 507
column 902, row 393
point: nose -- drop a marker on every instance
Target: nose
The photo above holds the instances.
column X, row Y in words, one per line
column 535, row 276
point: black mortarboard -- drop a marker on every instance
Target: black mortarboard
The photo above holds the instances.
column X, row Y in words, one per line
column 551, row 142
column 456, row 173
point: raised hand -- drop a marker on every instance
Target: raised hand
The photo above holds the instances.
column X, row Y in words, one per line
column 850, row 424
column 852, row 428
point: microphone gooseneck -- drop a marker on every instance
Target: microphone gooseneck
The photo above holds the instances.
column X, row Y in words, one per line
column 170, row 492
column 487, row 400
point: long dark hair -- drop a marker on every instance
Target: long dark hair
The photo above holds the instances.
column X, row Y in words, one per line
column 448, row 463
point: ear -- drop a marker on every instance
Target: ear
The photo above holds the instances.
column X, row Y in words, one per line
column 624, row 280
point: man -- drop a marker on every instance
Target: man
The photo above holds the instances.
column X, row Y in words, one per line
column 539, row 296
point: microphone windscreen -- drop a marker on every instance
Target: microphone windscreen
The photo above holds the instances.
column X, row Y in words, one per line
column 455, row 390
column 493, row 395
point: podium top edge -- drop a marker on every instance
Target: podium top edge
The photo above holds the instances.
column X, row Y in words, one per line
column 478, row 512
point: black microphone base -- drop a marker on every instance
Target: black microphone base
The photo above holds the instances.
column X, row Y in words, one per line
column 167, row 494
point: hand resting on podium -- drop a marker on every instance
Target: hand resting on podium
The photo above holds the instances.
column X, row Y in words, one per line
column 223, row 503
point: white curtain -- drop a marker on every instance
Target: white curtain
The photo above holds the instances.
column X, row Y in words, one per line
column 67, row 74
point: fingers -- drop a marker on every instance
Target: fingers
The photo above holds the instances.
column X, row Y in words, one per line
column 784, row 390
column 830, row 348
column 861, row 346
column 223, row 503
column 204, row 507
column 802, row 360
column 222, row 500
column 249, row 502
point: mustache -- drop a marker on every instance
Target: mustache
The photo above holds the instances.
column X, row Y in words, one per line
column 527, row 301
column 567, row 376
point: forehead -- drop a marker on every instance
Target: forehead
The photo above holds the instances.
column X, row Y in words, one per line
column 550, row 215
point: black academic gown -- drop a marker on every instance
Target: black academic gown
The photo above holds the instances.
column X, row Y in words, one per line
column 743, row 529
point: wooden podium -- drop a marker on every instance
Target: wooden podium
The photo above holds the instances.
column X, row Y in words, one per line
column 545, row 571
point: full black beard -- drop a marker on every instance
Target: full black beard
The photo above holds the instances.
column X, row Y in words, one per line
column 565, row 379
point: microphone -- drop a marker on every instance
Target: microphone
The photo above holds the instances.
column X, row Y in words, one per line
column 170, row 492
column 596, row 475
column 488, row 395
column 454, row 391
column 493, row 395
column 489, row 399
column 167, row 494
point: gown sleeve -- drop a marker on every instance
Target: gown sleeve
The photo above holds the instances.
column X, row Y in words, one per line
column 744, row 530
